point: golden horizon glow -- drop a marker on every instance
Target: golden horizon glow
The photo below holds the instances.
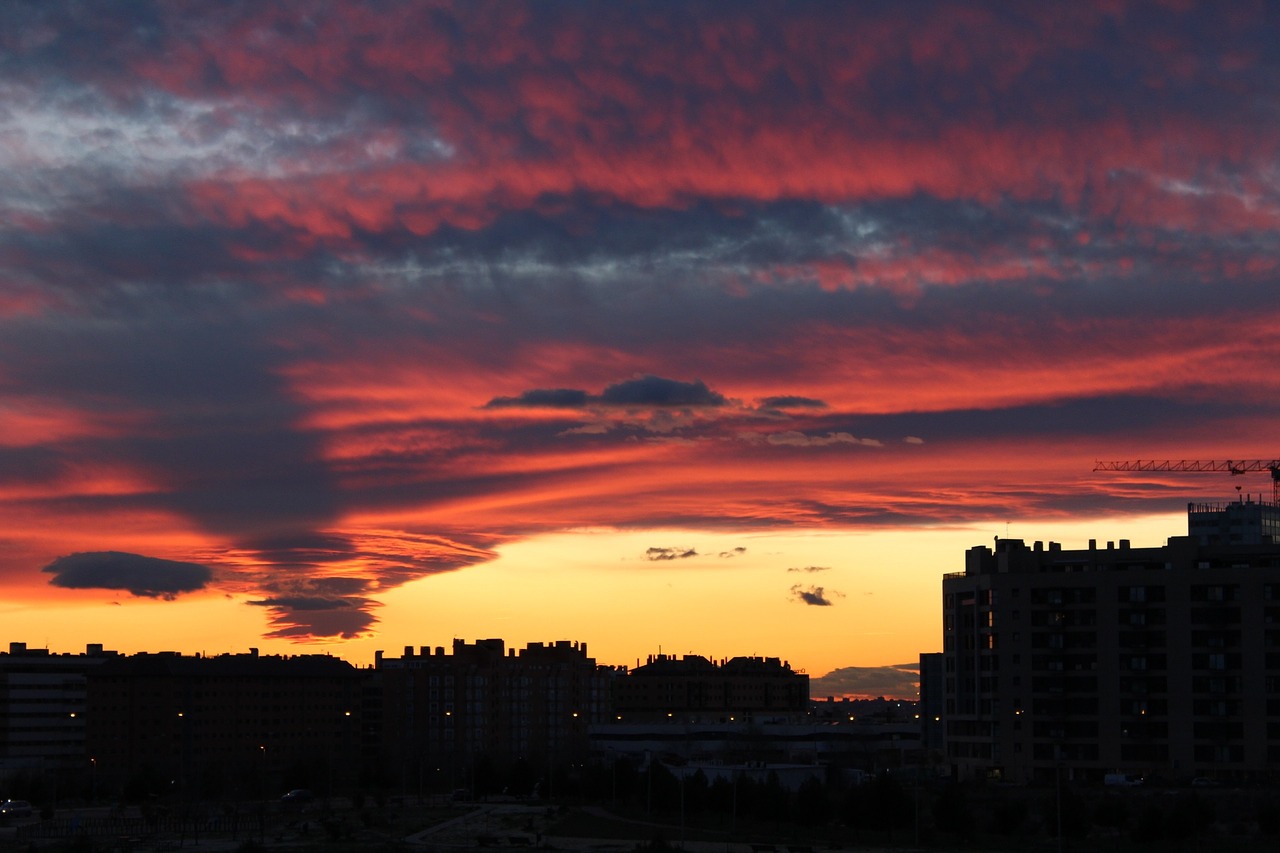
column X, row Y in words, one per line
column 597, row 587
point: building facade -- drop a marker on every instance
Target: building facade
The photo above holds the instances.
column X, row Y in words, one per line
column 42, row 704
column 228, row 725
column 1243, row 522
column 933, row 702
column 453, row 719
column 1162, row 662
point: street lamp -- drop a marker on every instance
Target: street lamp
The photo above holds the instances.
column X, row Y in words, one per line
column 262, row 792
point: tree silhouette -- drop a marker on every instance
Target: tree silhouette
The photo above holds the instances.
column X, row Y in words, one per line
column 813, row 806
column 879, row 805
column 953, row 813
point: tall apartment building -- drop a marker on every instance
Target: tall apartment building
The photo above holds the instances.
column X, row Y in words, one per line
column 1235, row 523
column 42, row 703
column 232, row 724
column 448, row 716
column 933, row 702
column 693, row 688
column 1159, row 661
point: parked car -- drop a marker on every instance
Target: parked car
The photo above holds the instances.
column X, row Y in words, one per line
column 11, row 809
column 1124, row 780
column 297, row 797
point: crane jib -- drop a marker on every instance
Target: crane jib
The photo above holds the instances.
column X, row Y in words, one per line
column 1234, row 467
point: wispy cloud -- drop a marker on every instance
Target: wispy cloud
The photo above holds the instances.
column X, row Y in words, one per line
column 662, row 555
column 814, row 596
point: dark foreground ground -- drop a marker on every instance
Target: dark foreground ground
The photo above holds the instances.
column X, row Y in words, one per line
column 1132, row 822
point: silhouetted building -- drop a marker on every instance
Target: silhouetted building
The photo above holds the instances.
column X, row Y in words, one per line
column 42, row 703
column 456, row 720
column 1149, row 661
column 228, row 725
column 1242, row 522
column 933, row 702
column 694, row 689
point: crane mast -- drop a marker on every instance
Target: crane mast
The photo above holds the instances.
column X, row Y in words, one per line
column 1233, row 467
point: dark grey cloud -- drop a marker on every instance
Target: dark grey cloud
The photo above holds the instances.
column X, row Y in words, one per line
column 345, row 623
column 215, row 428
column 1101, row 417
column 735, row 552
column 657, row 391
column 555, row 398
column 145, row 577
column 303, row 606
column 644, row 391
column 305, row 547
column 664, row 554
column 809, row 569
column 815, row 596
column 293, row 603
column 893, row 682
column 792, row 403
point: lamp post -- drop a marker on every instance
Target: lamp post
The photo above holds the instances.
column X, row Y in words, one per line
column 1057, row 780
column 345, row 752
column 262, row 792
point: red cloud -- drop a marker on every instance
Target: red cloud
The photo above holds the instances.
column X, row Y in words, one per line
column 662, row 109
column 1109, row 147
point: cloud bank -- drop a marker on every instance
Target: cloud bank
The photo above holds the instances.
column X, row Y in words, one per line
column 146, row 577
column 370, row 290
column 866, row 682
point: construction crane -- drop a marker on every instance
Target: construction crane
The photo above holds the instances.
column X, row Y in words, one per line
column 1234, row 468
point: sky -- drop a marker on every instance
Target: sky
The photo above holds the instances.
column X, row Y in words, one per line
column 680, row 327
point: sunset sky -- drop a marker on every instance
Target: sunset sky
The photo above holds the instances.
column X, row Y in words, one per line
column 702, row 327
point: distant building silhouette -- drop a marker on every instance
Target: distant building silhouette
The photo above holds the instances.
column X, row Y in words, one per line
column 478, row 717
column 451, row 719
column 1161, row 661
column 225, row 725
column 694, row 688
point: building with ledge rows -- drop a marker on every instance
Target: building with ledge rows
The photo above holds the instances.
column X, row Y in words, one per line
column 1154, row 661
